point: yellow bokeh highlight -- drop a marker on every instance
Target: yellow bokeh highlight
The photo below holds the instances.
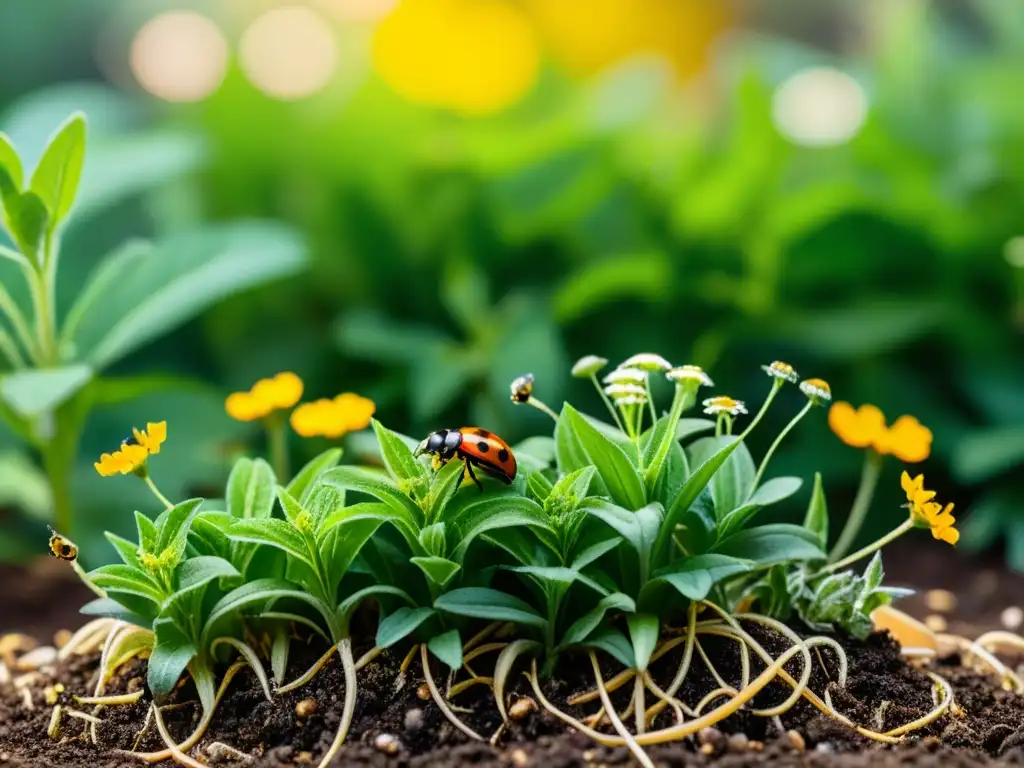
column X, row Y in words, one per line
column 477, row 57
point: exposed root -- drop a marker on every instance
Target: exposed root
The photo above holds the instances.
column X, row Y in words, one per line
column 251, row 658
column 174, row 751
column 502, row 669
column 440, row 701
column 465, row 685
column 482, row 635
column 349, row 667
column 111, row 701
column 367, row 657
column 941, row 685
column 617, row 724
column 677, row 706
column 309, row 674
column 88, row 638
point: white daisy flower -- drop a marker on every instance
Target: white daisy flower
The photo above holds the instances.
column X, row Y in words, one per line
column 817, row 390
column 620, row 375
column 690, row 373
column 647, row 361
column 723, row 404
column 781, row 370
column 631, row 400
column 621, row 390
column 588, row 365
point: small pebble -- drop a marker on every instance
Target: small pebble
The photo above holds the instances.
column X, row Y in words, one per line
column 5, row 674
column 589, row 755
column 62, row 637
column 796, row 740
column 414, row 719
column 756, row 746
column 935, row 622
column 1012, row 618
column 825, row 748
column 738, row 742
column 42, row 656
column 423, row 692
column 13, row 643
column 711, row 737
column 304, row 758
column 707, row 749
column 522, row 708
column 305, row 708
column 520, row 758
column 388, row 744
column 941, row 600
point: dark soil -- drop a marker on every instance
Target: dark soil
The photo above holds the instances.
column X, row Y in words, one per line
column 883, row 691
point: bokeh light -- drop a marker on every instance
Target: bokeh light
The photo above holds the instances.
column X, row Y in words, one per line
column 1014, row 252
column 289, row 52
column 820, row 107
column 179, row 56
column 360, row 10
column 476, row 57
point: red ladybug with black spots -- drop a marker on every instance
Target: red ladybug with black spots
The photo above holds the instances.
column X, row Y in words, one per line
column 476, row 447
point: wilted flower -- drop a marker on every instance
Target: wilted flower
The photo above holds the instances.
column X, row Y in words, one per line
column 723, row 404
column 817, row 390
column 647, row 361
column 624, row 374
column 690, row 373
column 522, row 388
column 782, row 371
column 588, row 365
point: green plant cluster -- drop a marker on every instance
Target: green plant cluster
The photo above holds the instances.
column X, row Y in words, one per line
column 605, row 537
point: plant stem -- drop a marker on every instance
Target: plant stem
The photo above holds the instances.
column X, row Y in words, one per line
column 776, row 386
column 650, row 398
column 78, row 569
column 861, row 504
column 277, row 438
column 59, row 488
column 42, row 289
column 607, row 402
column 541, row 406
column 786, row 430
column 905, row 526
column 156, row 491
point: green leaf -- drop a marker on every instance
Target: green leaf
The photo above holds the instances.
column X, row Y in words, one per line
column 643, row 632
column 771, row 544
column 174, row 527
column 377, row 485
column 34, row 392
column 438, row 569
column 307, row 476
column 146, row 532
column 490, row 604
column 292, row 509
column 501, row 512
column 400, row 624
column 250, row 489
column 126, row 550
column 613, row 465
column 261, row 592
column 693, row 577
column 349, row 539
column 816, row 519
column 572, row 488
column 691, row 490
column 197, row 572
column 27, row 221
column 443, row 488
column 129, row 580
column 377, row 511
column 398, row 459
column 773, row 491
column 56, row 177
column 273, row 533
column 591, row 553
column 11, row 164
column 614, row 643
column 582, row 627
column 448, row 648
column 171, row 654
column 539, row 486
column 687, row 427
column 731, row 482
column 108, row 608
column 644, row 276
column 158, row 290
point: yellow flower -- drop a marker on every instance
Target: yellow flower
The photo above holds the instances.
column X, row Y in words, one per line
column 817, row 390
column 473, row 56
column 860, row 428
column 781, row 370
column 266, row 396
column 347, row 412
column 908, row 440
column 152, row 438
column 129, row 458
column 927, row 513
column 723, row 404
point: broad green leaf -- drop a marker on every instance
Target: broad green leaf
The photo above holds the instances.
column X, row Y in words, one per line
column 693, row 577
column 582, row 627
column 292, row 509
column 250, row 489
column 106, row 607
column 160, row 289
column 27, row 220
column 448, row 648
column 11, row 163
column 131, row 581
column 196, row 573
column 56, row 177
column 349, row 539
column 309, row 474
column 443, row 488
column 687, row 427
column 400, row 624
column 398, row 459
column 377, row 485
column 350, row 603
column 643, row 632
column 501, row 512
column 591, row 553
column 731, row 483
column 171, row 654
column 619, row 475
column 274, row 533
column 174, row 527
column 816, row 519
column 538, row 451
column 490, row 604
column 34, row 392
column 573, row 487
column 433, row 539
column 773, row 491
column 689, row 493
column 262, row 593
column 438, row 569
column 639, row 528
column 557, row 575
column 613, row 643
column 377, row 511
column 126, row 550
column 771, row 544
column 146, row 531
column 539, row 486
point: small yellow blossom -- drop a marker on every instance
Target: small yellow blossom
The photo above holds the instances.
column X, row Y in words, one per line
column 927, row 513
column 859, row 428
column 132, row 455
column 723, row 404
column 266, row 396
column 782, row 371
column 347, row 412
column 817, row 390
column 907, row 439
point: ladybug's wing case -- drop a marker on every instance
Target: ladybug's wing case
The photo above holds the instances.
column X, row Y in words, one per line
column 489, row 452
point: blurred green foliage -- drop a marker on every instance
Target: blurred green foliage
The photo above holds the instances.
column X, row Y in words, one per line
column 598, row 216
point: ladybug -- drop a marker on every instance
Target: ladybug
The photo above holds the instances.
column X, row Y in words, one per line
column 476, row 447
column 62, row 547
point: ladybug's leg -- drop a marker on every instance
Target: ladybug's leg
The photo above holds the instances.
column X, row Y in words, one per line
column 469, row 469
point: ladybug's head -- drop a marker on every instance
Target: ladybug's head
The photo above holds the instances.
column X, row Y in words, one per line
column 442, row 443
